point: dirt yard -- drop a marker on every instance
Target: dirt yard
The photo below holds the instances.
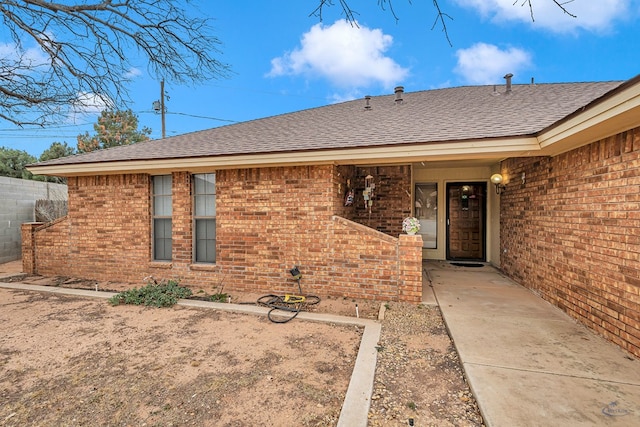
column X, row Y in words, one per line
column 81, row 362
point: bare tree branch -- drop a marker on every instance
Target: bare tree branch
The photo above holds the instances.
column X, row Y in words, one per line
column 349, row 13
column 66, row 50
column 558, row 3
column 441, row 16
column 561, row 6
column 382, row 4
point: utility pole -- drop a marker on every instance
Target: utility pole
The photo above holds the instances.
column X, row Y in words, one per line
column 162, row 107
column 158, row 107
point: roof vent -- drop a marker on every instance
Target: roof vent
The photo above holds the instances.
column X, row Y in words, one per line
column 399, row 90
column 367, row 106
column 508, row 79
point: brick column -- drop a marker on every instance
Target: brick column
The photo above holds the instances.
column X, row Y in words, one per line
column 410, row 268
column 181, row 219
column 29, row 246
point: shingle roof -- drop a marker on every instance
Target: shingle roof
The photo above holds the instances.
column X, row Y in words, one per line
column 452, row 114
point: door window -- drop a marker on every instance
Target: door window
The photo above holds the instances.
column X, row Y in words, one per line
column 426, row 210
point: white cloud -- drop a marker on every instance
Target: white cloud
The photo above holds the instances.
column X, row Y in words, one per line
column 346, row 55
column 591, row 15
column 343, row 97
column 486, row 64
column 132, row 73
column 90, row 103
column 32, row 58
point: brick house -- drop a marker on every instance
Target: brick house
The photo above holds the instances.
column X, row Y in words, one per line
column 241, row 204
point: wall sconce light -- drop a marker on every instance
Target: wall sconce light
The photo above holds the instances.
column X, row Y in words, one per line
column 497, row 179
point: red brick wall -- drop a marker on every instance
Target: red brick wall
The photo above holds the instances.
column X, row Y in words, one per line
column 268, row 220
column 272, row 219
column 410, row 268
column 363, row 262
column 391, row 201
column 109, row 234
column 28, row 246
column 182, row 220
column 51, row 248
column 106, row 234
column 344, row 180
column 571, row 233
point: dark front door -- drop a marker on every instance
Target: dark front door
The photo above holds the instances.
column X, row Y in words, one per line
column 466, row 211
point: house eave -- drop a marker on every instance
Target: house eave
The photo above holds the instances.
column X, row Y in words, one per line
column 614, row 114
column 391, row 154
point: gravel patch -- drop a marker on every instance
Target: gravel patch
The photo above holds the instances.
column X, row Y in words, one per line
column 419, row 378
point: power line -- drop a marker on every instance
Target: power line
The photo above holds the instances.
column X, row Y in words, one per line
column 45, row 132
column 46, row 136
column 190, row 115
column 203, row 117
column 38, row 128
column 266, row 92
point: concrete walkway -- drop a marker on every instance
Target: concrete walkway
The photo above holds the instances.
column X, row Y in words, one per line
column 527, row 362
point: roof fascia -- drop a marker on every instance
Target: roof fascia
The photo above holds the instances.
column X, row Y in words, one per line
column 453, row 150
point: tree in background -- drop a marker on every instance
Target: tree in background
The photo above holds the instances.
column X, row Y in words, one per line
column 113, row 128
column 13, row 163
column 66, row 52
column 57, row 150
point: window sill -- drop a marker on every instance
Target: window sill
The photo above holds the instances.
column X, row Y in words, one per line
column 203, row 267
column 164, row 265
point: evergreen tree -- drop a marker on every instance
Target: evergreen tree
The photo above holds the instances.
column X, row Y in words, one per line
column 57, row 150
column 13, row 163
column 114, row 128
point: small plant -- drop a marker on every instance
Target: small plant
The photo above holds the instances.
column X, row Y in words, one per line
column 219, row 297
column 163, row 294
column 387, row 306
column 411, row 405
column 410, row 225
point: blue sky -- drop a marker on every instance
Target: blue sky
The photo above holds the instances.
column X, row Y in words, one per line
column 283, row 60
